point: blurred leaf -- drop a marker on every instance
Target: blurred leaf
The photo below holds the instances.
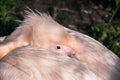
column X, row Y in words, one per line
column 109, row 36
column 108, row 9
column 117, row 2
column 7, row 23
column 104, row 35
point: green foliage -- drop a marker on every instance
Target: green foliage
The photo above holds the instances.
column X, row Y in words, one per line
column 113, row 9
column 7, row 22
column 117, row 2
column 4, row 14
column 109, row 36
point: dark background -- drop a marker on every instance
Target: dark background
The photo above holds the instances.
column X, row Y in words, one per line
column 99, row 19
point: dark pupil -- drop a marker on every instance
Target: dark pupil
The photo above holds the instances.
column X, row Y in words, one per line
column 58, row 47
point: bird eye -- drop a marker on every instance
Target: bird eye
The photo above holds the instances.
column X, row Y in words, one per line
column 58, row 47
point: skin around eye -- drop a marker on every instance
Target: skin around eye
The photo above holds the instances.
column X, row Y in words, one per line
column 61, row 49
